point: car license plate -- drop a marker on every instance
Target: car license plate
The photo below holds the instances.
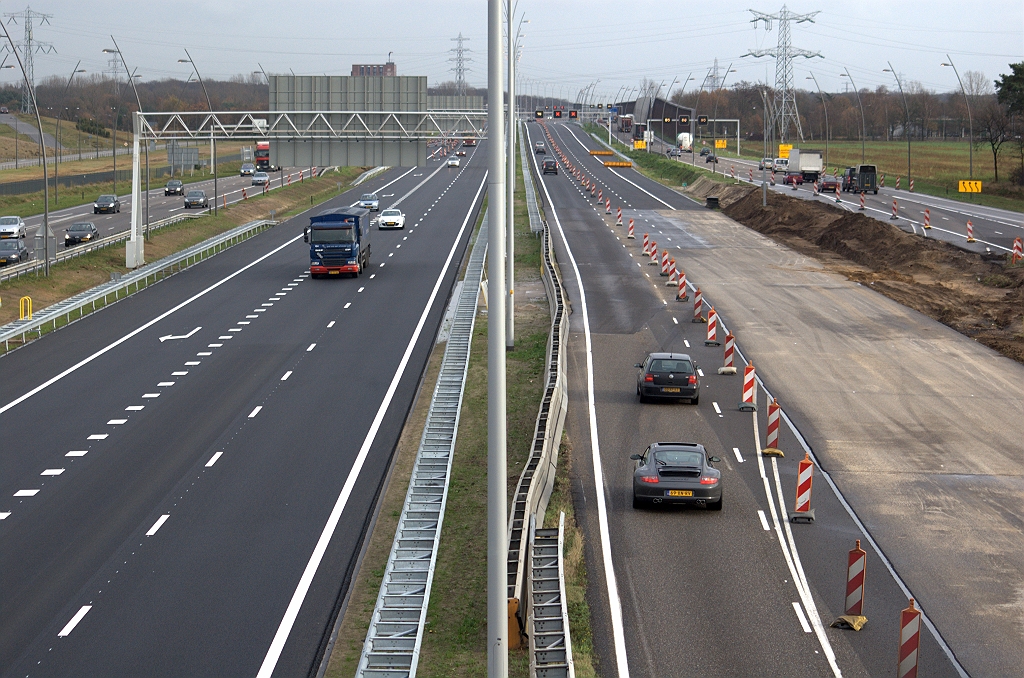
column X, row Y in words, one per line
column 680, row 493
column 670, row 389
column 333, row 272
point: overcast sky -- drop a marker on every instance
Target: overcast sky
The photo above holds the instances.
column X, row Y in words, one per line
column 567, row 44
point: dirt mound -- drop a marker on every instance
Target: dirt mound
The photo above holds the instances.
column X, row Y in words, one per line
column 979, row 296
column 727, row 194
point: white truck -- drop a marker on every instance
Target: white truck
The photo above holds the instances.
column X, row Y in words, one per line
column 685, row 142
column 807, row 162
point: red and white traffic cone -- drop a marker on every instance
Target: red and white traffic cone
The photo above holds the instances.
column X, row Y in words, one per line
column 730, row 348
column 771, row 446
column 856, row 565
column 898, row 177
column 618, row 217
column 911, row 184
column 712, row 339
column 910, row 641
column 664, row 262
column 673, row 274
column 861, row 202
column 593, row 190
column 698, row 307
column 629, row 233
column 647, row 241
column 927, row 218
column 244, row 196
column 1018, row 251
column 837, row 193
column 802, row 511
column 682, row 294
column 970, row 232
column 895, row 210
column 608, row 208
column 749, row 401
column 654, row 254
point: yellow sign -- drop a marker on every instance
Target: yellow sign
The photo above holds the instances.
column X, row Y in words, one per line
column 721, row 143
column 617, row 163
column 970, row 187
column 784, row 150
column 639, row 144
column 601, row 153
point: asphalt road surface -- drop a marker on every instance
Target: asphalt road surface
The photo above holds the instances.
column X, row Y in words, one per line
column 196, row 465
column 740, row 592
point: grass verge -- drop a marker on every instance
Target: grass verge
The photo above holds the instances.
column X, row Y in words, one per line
column 89, row 270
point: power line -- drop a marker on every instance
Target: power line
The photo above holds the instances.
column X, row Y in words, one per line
column 28, row 49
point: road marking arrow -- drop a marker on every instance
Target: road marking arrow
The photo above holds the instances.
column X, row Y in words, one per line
column 183, row 336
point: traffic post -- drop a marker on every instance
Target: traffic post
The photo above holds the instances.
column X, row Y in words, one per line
column 927, row 218
column 664, row 262
column 911, row 184
column 970, row 232
column 898, row 177
column 654, row 254
column 749, row 401
column 600, row 196
column 750, row 175
column 730, row 348
column 856, row 571
column 881, row 182
column 629, row 234
column 698, row 307
column 1018, row 251
column 814, row 188
column 681, row 293
column 647, row 241
column 802, row 511
column 862, row 202
column 712, row 339
column 910, row 641
column 673, row 274
column 772, row 180
column 618, row 218
column 837, row 194
column 608, row 208
column 244, row 196
column 895, row 210
column 771, row 447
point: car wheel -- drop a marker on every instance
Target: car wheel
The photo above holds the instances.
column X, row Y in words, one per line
column 95, row 211
column 637, row 504
column 716, row 506
column 876, row 191
column 695, row 400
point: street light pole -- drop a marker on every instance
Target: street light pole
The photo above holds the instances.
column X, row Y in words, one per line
column 824, row 106
column 696, row 112
column 863, row 129
column 60, row 113
column 906, row 109
column 970, row 120
column 213, row 141
column 714, row 123
column 131, row 80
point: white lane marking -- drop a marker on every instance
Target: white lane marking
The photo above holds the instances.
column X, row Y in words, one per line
column 258, row 310
column 226, row 336
column 179, row 373
column 286, row 375
column 764, row 521
column 347, row 305
column 248, row 323
column 255, row 411
column 739, row 457
column 52, row 472
column 214, row 345
column 203, row 353
column 158, row 524
column 330, row 324
column 675, row 321
column 97, row 436
column 265, row 305
column 235, row 329
column 664, row 302
column 180, row 336
column 165, row 383
column 70, row 626
column 213, row 459
column 360, row 290
column 614, row 602
column 700, row 372
column 192, row 362
column 686, row 343
column 4, row 514
column 311, row 347
column 800, row 615
column 274, row 299
column 292, row 612
column 76, row 453
column 117, row 422
column 26, row 493
column 150, row 395
column 718, row 410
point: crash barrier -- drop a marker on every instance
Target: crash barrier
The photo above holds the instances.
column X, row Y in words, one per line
column 51, row 318
column 550, row 646
column 393, row 640
column 533, row 490
column 802, row 511
column 536, row 222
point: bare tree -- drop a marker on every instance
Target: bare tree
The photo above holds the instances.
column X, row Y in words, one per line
column 994, row 127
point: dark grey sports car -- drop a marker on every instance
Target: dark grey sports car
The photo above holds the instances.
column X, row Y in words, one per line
column 668, row 375
column 676, row 473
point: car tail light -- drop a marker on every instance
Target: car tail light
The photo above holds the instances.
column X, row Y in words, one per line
column 693, row 379
column 649, row 377
column 708, row 480
column 649, row 479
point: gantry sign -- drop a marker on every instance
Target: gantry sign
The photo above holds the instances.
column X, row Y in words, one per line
column 303, row 139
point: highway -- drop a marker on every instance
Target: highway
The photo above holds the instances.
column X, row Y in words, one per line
column 196, row 466
column 994, row 229
column 686, row 592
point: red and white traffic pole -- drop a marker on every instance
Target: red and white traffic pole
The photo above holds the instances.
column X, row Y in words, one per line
column 673, row 274
column 837, row 194
column 910, row 641
column 749, row 401
column 895, row 210
column 856, row 565
column 608, row 208
column 698, row 304
column 629, row 233
column 654, row 254
column 970, row 231
column 911, row 184
column 647, row 239
column 618, row 218
column 927, row 218
column 682, row 293
column 664, row 262
column 730, row 348
column 802, row 511
column 712, row 339
column 772, row 438
column 881, row 182
column 1018, row 251
column 898, row 177
column 861, row 202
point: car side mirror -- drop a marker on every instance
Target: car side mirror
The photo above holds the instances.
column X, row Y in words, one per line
column 714, row 460
column 635, row 457
column 638, row 365
column 305, row 235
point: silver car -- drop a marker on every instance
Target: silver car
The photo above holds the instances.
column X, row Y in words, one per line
column 12, row 227
column 260, row 179
column 369, row 201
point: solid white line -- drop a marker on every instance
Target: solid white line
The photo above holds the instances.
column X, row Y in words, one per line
column 213, row 459
column 70, row 626
column 158, row 524
column 145, row 326
column 311, row 347
column 255, row 411
column 286, row 375
column 764, row 521
column 614, row 602
column 800, row 615
column 739, row 457
column 292, row 612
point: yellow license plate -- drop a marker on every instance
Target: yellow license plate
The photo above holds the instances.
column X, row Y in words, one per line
column 680, row 493
column 333, row 272
column 673, row 389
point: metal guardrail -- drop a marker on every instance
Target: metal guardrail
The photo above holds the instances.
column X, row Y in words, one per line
column 537, row 479
column 550, row 645
column 392, row 646
column 369, row 174
column 536, row 222
column 51, row 318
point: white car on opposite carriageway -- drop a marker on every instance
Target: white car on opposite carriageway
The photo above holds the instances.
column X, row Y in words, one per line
column 391, row 219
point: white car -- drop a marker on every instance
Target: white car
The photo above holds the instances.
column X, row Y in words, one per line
column 12, row 227
column 765, row 164
column 781, row 164
column 453, row 162
column 369, row 201
column 260, row 179
column 391, row 219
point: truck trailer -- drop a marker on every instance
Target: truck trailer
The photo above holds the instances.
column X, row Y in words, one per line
column 861, row 179
column 685, row 142
column 807, row 162
column 339, row 241
column 626, row 123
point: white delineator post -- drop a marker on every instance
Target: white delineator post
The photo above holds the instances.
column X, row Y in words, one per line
column 134, row 251
column 497, row 515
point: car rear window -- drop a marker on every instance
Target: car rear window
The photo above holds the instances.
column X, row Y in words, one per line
column 678, row 458
column 676, row 366
column 867, row 169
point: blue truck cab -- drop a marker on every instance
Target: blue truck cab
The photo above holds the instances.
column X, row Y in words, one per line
column 339, row 241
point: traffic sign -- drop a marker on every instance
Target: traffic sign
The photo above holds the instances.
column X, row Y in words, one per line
column 666, row 120
column 721, row 143
column 784, row 150
column 538, row 114
column 970, row 187
column 613, row 109
column 600, row 105
column 558, row 114
column 639, row 144
column 574, row 114
column 702, row 119
column 684, row 120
